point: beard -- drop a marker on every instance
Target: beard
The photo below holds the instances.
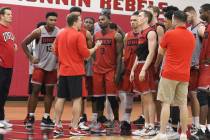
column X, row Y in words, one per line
column 103, row 26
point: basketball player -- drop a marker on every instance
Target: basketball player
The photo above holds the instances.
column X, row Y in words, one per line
column 130, row 43
column 108, row 121
column 89, row 26
column 106, row 70
column 45, row 65
column 31, row 48
column 204, row 79
column 198, row 29
column 142, row 73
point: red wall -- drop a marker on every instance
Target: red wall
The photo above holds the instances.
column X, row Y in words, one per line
column 24, row 21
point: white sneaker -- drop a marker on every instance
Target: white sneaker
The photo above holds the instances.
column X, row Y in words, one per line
column 83, row 126
column 92, row 124
column 150, row 132
column 183, row 137
column 1, row 125
column 6, row 124
column 172, row 135
column 139, row 132
column 160, row 137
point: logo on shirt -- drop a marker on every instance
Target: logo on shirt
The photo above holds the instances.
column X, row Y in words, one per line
column 206, row 35
column 8, row 36
column 106, row 42
column 46, row 40
column 132, row 42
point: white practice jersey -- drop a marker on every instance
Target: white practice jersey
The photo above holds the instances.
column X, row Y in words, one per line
column 43, row 50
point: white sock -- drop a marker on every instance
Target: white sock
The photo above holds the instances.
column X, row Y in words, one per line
column 94, row 117
column 203, row 128
column 31, row 114
column 196, row 122
column 126, row 117
column 46, row 115
column 152, row 125
column 146, row 125
column 110, row 115
column 59, row 124
column 193, row 120
column 128, row 105
column 122, row 96
column 208, row 126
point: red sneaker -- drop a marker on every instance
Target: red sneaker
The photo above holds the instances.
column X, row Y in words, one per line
column 77, row 132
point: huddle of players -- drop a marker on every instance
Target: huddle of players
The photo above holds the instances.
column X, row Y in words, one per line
column 124, row 65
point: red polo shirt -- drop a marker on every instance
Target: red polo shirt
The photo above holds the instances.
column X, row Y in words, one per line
column 179, row 44
column 71, row 50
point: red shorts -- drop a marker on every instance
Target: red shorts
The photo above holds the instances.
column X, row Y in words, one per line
column 41, row 76
column 204, row 77
column 125, row 84
column 103, row 84
column 148, row 85
column 193, row 83
column 89, row 84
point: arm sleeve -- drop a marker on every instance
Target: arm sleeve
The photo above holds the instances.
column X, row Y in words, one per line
column 82, row 46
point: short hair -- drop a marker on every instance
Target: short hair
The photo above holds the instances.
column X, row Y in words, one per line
column 206, row 7
column 155, row 9
column 169, row 14
column 180, row 15
column 105, row 11
column 113, row 26
column 90, row 18
column 71, row 18
column 51, row 14
column 147, row 14
column 75, row 9
column 136, row 13
column 189, row 9
column 3, row 9
column 170, row 8
column 40, row 24
column 106, row 15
